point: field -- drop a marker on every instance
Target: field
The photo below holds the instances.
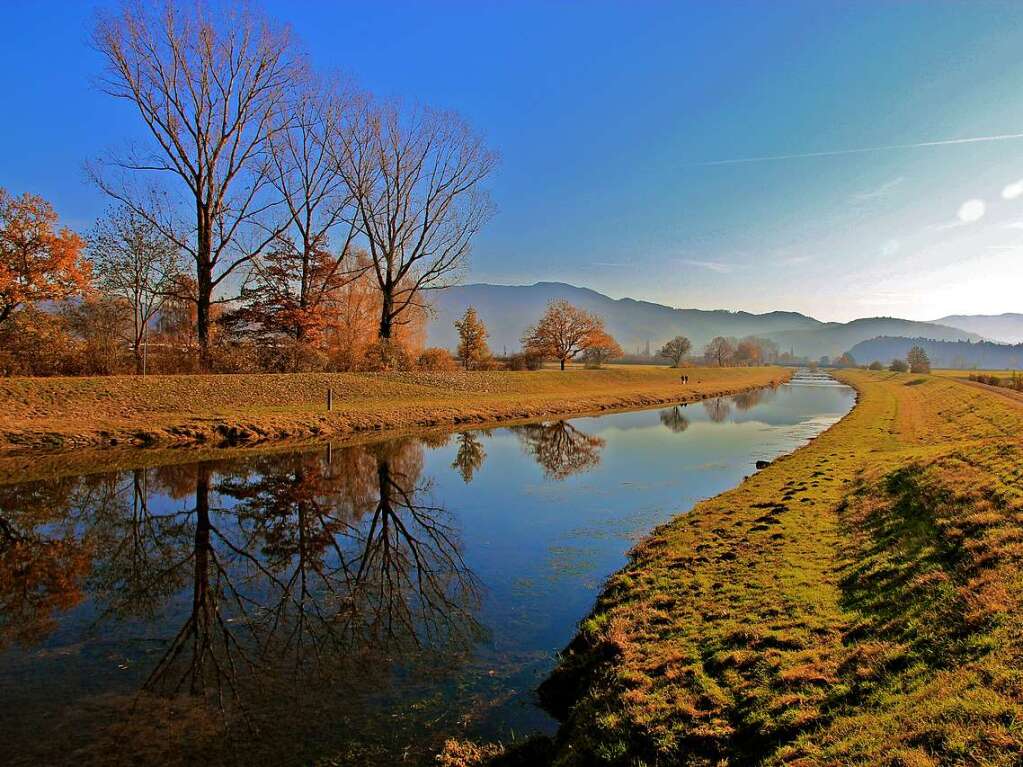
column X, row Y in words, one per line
column 248, row 409
column 854, row 603
column 965, row 374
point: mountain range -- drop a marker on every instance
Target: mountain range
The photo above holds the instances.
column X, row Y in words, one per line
column 1003, row 328
column 507, row 310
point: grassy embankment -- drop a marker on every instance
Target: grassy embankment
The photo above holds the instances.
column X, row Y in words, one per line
column 856, row 603
column 246, row 409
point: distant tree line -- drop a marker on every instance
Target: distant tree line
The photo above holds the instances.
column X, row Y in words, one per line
column 960, row 355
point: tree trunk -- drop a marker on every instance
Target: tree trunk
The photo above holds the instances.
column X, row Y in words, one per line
column 204, row 286
column 304, row 287
column 386, row 313
column 202, row 322
column 562, row 363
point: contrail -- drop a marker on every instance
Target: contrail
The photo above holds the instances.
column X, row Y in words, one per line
column 860, row 150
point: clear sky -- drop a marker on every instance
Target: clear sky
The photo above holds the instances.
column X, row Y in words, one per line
column 609, row 118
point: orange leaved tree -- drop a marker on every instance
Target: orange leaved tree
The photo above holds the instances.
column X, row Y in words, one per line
column 602, row 347
column 563, row 332
column 37, row 262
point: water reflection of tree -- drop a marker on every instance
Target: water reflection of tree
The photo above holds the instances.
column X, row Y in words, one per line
column 44, row 560
column 470, row 456
column 750, row 399
column 295, row 568
column 673, row 419
column 315, row 562
column 560, row 448
column 409, row 561
column 717, row 409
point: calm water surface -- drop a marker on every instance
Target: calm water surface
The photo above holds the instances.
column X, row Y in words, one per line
column 346, row 605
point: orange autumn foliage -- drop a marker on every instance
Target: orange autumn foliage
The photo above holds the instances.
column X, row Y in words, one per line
column 37, row 262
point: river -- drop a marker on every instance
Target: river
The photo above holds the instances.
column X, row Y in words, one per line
column 343, row 605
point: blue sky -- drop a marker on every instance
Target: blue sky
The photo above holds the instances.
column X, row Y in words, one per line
column 608, row 117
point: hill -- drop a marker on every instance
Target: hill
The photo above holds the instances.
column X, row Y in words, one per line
column 834, row 338
column 984, row 355
column 508, row 310
column 1004, row 328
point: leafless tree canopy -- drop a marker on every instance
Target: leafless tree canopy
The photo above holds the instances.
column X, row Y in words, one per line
column 209, row 87
column 675, row 350
column 133, row 262
column 416, row 176
column 322, row 224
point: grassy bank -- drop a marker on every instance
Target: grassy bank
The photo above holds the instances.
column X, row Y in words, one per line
column 247, row 409
column 855, row 603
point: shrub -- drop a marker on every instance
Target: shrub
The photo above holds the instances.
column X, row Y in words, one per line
column 899, row 366
column 238, row 357
column 876, row 365
column 289, row 355
column 525, row 361
column 36, row 343
column 383, row 355
column 437, row 360
column 993, row 380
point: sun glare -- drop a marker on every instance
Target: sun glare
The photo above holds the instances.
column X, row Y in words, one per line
column 972, row 210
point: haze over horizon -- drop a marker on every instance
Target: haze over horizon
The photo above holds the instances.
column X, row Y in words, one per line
column 839, row 160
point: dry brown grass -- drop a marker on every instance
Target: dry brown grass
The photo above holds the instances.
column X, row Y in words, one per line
column 244, row 409
column 855, row 603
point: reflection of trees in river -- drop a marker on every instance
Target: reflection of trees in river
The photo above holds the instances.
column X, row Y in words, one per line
column 560, row 448
column 750, row 399
column 717, row 409
column 470, row 455
column 44, row 560
column 292, row 568
column 316, row 561
column 673, row 419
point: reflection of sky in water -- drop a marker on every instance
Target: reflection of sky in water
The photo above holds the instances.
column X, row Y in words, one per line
column 548, row 513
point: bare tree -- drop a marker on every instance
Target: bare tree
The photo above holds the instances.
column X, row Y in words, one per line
column 416, row 177
column 675, row 350
column 304, row 173
column 719, row 350
column 209, row 90
column 134, row 262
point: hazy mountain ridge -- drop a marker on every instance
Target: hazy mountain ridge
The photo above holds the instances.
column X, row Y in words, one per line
column 508, row 310
column 1004, row 328
column 833, row 338
column 943, row 354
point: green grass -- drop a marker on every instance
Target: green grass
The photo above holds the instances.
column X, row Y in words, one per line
column 855, row 603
